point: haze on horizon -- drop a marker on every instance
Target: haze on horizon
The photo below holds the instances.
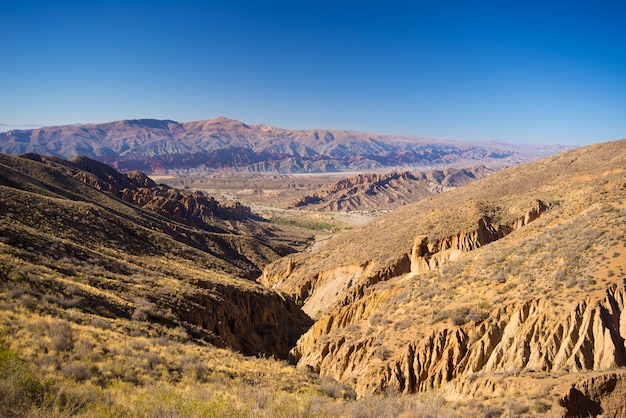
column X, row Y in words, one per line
column 535, row 72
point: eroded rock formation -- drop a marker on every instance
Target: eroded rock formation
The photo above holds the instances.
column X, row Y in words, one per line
column 247, row 321
column 525, row 280
column 519, row 337
column 190, row 208
column 371, row 191
column 427, row 254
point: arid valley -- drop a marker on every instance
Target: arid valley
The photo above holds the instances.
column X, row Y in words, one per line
column 448, row 290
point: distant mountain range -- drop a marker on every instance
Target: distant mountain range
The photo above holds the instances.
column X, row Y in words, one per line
column 165, row 146
column 5, row 127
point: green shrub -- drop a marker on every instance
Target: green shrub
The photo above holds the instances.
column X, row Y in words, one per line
column 541, row 407
column 20, row 389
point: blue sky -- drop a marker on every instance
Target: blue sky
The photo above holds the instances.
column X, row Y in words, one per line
column 516, row 71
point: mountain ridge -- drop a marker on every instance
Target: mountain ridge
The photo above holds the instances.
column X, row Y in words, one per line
column 160, row 146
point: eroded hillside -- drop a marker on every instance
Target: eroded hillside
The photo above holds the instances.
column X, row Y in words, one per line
column 370, row 191
column 507, row 283
column 113, row 304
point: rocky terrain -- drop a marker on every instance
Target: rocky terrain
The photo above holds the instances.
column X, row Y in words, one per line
column 164, row 146
column 512, row 283
column 371, row 191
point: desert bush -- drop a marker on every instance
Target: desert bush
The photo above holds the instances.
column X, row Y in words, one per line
column 148, row 360
column 15, row 291
column 140, row 314
column 77, row 371
column 559, row 276
column 429, row 294
column 335, row 389
column 476, row 315
column 101, row 323
column 61, row 301
column 27, row 301
column 439, row 316
column 375, row 318
column 459, row 316
column 48, row 363
column 517, row 407
column 20, row 389
column 491, row 411
column 383, row 352
column 498, row 276
column 71, row 399
column 401, row 324
column 196, row 370
column 61, row 335
column 541, row 407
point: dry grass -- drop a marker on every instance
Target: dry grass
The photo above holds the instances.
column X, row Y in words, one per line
column 566, row 183
column 541, row 260
column 107, row 373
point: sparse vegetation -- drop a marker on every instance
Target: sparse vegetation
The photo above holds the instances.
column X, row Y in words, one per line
column 307, row 224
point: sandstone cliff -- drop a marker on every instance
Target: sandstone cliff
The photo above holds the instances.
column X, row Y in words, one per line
column 515, row 338
column 599, row 395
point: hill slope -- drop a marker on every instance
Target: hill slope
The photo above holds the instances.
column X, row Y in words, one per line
column 512, row 282
column 89, row 250
column 162, row 145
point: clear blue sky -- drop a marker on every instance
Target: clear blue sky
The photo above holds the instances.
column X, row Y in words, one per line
column 517, row 71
